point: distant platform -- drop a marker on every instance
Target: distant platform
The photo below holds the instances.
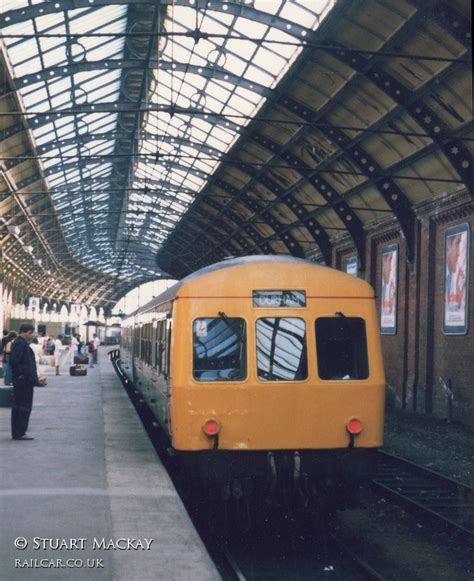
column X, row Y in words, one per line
column 89, row 496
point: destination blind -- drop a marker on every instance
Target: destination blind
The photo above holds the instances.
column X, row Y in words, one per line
column 279, row 298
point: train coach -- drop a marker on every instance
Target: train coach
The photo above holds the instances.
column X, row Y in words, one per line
column 264, row 368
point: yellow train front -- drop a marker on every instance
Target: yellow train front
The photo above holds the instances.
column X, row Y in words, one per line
column 274, row 373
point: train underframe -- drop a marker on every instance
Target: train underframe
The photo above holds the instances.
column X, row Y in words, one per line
column 309, row 483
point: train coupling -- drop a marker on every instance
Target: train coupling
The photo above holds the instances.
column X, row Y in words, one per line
column 286, row 476
column 273, row 477
column 300, row 480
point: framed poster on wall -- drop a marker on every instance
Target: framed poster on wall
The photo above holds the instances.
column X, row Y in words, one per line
column 352, row 266
column 456, row 269
column 388, row 300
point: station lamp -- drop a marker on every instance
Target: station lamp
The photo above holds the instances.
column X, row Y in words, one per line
column 15, row 230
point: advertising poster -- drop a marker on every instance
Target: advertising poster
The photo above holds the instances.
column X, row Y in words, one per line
column 456, row 265
column 388, row 302
column 34, row 304
column 352, row 266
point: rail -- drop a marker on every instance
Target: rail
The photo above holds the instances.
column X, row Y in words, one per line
column 443, row 498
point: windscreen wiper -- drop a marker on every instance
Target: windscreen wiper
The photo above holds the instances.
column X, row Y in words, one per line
column 240, row 336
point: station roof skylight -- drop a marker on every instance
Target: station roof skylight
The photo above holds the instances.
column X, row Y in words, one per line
column 133, row 110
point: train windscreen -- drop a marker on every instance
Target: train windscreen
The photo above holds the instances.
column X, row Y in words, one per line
column 341, row 346
column 219, row 349
column 281, row 349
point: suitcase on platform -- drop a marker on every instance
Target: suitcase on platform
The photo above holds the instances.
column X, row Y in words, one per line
column 81, row 359
column 77, row 370
column 6, row 398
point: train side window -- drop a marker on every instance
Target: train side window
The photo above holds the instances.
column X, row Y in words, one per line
column 136, row 341
column 219, row 349
column 145, row 344
column 281, row 349
column 341, row 347
column 159, row 348
column 152, row 346
column 148, row 347
column 167, row 350
column 156, row 345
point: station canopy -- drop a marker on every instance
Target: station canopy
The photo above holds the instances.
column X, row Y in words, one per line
column 132, row 106
column 170, row 134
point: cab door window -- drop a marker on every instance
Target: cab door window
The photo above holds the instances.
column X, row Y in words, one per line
column 281, row 349
column 341, row 346
column 219, row 349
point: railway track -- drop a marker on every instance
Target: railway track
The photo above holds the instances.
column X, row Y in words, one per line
column 429, row 492
column 341, row 558
column 368, row 571
column 338, row 562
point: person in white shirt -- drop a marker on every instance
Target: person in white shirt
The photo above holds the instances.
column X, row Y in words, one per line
column 94, row 345
column 75, row 345
column 58, row 351
column 37, row 350
column 69, row 352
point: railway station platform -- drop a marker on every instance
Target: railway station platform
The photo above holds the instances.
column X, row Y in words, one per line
column 88, row 498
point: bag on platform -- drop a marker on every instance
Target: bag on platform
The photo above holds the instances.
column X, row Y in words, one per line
column 81, row 359
column 77, row 370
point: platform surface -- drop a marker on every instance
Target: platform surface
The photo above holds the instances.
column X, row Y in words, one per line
column 89, row 494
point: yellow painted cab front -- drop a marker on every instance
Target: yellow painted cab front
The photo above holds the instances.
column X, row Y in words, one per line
column 277, row 359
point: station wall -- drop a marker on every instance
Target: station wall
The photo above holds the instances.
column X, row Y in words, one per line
column 428, row 356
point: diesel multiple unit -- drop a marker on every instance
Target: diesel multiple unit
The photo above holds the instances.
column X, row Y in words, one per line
column 264, row 368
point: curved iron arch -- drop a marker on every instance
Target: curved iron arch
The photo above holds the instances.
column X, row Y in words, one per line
column 29, row 12
column 460, row 158
column 128, row 64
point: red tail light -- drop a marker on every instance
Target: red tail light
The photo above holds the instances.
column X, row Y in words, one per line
column 354, row 426
column 211, row 428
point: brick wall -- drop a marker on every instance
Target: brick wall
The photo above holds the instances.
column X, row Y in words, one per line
column 393, row 345
column 420, row 352
column 453, row 355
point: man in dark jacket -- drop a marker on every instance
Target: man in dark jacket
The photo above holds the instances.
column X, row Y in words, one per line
column 25, row 377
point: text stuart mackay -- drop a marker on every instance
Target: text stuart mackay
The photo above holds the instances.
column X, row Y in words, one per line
column 120, row 544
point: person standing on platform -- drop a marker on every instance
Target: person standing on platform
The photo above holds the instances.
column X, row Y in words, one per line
column 79, row 345
column 2, row 349
column 46, row 345
column 74, row 345
column 69, row 352
column 58, row 351
column 92, row 351
column 96, row 345
column 25, row 377
column 93, row 347
column 7, row 356
column 37, row 350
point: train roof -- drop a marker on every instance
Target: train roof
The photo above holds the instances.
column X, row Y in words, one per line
column 172, row 291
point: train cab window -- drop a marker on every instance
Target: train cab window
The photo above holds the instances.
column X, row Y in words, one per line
column 219, row 349
column 341, row 345
column 281, row 349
